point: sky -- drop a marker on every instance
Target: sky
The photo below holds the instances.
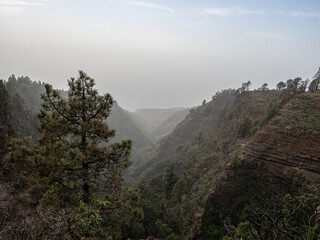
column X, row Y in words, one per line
column 160, row 53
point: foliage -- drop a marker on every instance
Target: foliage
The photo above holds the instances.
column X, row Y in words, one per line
column 296, row 219
column 272, row 110
column 213, row 232
column 199, row 139
column 315, row 83
column 255, row 127
column 73, row 132
column 165, row 232
column 223, row 93
column 264, row 87
column 204, row 102
column 296, row 85
column 281, row 85
column 25, row 97
column 235, row 162
column 29, row 91
column 73, row 166
column 16, row 167
column 301, row 215
column 91, row 200
column 170, row 179
column 6, row 126
column 87, row 220
column 243, row 231
column 244, row 88
column 244, row 127
column 179, row 189
column 24, row 121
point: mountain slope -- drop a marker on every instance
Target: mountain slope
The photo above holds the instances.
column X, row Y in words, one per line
column 152, row 118
column 237, row 153
column 126, row 128
column 27, row 97
column 168, row 125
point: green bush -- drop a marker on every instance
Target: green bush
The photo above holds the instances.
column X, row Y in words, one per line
column 235, row 162
column 179, row 189
column 244, row 127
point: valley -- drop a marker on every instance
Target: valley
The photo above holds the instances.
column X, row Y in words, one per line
column 203, row 171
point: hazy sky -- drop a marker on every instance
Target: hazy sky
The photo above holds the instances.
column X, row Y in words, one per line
column 160, row 53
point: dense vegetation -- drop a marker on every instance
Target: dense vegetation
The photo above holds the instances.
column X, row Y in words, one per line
column 68, row 184
column 207, row 176
column 243, row 166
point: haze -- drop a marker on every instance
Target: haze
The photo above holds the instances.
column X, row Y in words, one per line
column 160, row 53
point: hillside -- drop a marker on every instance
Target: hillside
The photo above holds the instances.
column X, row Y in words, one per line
column 228, row 158
column 244, row 165
column 140, row 159
column 26, row 95
column 156, row 122
column 126, row 128
column 168, row 124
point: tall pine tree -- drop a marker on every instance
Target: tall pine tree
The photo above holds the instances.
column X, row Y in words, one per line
column 75, row 139
column 6, row 128
column 71, row 180
column 76, row 166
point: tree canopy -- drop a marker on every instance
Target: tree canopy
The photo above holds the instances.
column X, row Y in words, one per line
column 74, row 167
column 6, row 127
column 78, row 128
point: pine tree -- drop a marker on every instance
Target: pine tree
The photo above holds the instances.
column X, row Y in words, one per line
column 281, row 85
column 75, row 167
column 6, row 128
column 315, row 83
column 74, row 170
column 24, row 121
column 75, row 136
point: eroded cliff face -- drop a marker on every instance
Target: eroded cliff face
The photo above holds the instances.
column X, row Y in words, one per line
column 252, row 151
column 286, row 148
column 282, row 157
column 292, row 137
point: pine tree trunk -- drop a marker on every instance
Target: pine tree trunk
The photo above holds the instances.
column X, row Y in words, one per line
column 85, row 173
column 85, row 182
column 85, row 164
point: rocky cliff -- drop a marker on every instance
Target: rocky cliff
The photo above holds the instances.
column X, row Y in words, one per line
column 235, row 154
column 292, row 137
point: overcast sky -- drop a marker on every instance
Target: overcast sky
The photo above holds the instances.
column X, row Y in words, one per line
column 160, row 53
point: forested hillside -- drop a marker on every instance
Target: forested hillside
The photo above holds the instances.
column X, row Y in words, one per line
column 245, row 165
column 234, row 164
column 125, row 128
column 66, row 184
column 188, row 120
column 25, row 95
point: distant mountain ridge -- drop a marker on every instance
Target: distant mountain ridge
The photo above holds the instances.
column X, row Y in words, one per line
column 169, row 124
column 158, row 122
column 143, row 126
column 126, row 128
